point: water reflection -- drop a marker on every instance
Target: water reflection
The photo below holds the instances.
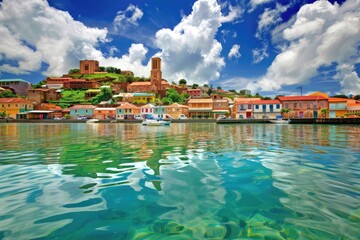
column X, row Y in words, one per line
column 190, row 180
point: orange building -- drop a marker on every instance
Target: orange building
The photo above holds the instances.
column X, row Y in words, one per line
column 304, row 106
column 156, row 85
column 14, row 106
column 105, row 113
column 56, row 110
column 40, row 95
column 80, row 84
column 176, row 109
column 337, row 107
column 127, row 111
column 244, row 107
column 89, row 66
column 201, row 107
column 195, row 93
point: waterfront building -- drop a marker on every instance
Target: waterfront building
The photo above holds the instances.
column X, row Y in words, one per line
column 304, row 106
column 82, row 110
column 105, row 113
column 18, row 86
column 244, row 107
column 353, row 108
column 15, row 106
column 201, row 108
column 160, row 112
column 41, row 95
column 147, row 110
column 127, row 111
column 266, row 109
column 143, row 98
column 89, row 66
column 56, row 82
column 220, row 106
column 195, row 93
column 54, row 110
column 175, row 110
column 337, row 107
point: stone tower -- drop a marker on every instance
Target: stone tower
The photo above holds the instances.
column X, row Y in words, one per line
column 156, row 75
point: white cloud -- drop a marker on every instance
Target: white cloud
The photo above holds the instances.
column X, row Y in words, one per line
column 269, row 18
column 321, row 35
column 349, row 79
column 255, row 3
column 32, row 33
column 235, row 12
column 234, row 52
column 127, row 18
column 190, row 50
column 260, row 54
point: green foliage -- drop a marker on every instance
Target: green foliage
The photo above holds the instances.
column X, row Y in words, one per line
column 172, row 96
column 218, row 88
column 357, row 97
column 114, row 77
column 340, row 96
column 324, row 112
column 182, row 81
column 266, row 98
column 38, row 85
column 232, row 90
column 104, row 95
column 71, row 97
column 3, row 114
column 67, row 116
column 7, row 94
column 210, row 91
column 113, row 70
column 102, row 69
column 74, row 71
column 194, row 86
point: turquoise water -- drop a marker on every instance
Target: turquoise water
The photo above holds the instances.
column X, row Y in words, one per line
column 186, row 181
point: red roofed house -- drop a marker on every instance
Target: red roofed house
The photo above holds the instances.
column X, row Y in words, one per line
column 195, row 93
column 337, row 107
column 266, row 109
column 127, row 111
column 353, row 108
column 303, row 106
column 82, row 110
column 40, row 95
column 14, row 106
column 80, row 84
column 56, row 110
column 243, row 107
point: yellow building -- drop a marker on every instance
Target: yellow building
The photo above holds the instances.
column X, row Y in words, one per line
column 175, row 110
column 13, row 106
column 143, row 98
column 201, row 107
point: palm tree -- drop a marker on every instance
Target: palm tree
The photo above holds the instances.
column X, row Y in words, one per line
column 285, row 110
column 324, row 112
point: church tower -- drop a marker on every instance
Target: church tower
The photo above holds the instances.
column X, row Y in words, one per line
column 156, row 75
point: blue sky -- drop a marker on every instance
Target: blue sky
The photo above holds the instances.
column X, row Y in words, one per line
column 269, row 47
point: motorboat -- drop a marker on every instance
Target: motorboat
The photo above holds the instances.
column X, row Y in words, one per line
column 280, row 121
column 155, row 122
column 94, row 120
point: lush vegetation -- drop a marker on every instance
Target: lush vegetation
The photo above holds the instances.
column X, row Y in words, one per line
column 3, row 114
column 8, row 94
column 71, row 97
column 172, row 96
column 39, row 84
column 104, row 95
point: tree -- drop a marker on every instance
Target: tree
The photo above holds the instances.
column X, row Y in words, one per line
column 172, row 96
column 104, row 95
column 74, row 71
column 357, row 97
column 102, row 69
column 266, row 98
column 194, row 86
column 340, row 96
column 232, row 90
column 324, row 112
column 113, row 70
column 218, row 88
column 39, row 84
column 182, row 81
column 7, row 94
column 285, row 110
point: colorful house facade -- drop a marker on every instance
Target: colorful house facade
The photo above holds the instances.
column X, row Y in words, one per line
column 303, row 106
column 105, row 113
column 201, row 108
column 244, row 107
column 14, row 106
column 143, row 98
column 82, row 110
column 127, row 111
column 147, row 110
column 266, row 109
column 175, row 110
column 160, row 112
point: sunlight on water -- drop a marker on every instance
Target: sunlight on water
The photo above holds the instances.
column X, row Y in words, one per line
column 185, row 181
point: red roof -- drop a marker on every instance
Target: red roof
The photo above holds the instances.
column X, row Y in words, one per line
column 127, row 106
column 333, row 100
column 14, row 100
column 266, row 102
column 302, row 98
column 140, row 84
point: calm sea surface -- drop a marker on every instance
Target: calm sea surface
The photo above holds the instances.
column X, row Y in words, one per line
column 185, row 181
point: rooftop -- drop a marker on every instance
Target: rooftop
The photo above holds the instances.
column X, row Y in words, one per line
column 302, row 98
column 83, row 106
column 14, row 100
column 14, row 80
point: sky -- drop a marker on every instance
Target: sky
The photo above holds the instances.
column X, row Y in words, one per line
column 269, row 47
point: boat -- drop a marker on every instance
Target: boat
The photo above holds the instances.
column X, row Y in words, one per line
column 94, row 120
column 155, row 122
column 280, row 121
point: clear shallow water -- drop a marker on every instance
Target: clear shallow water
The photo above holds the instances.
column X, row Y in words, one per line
column 186, row 181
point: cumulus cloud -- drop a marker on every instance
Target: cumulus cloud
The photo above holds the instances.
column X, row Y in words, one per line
column 32, row 33
column 234, row 52
column 190, row 50
column 255, row 3
column 127, row 18
column 322, row 34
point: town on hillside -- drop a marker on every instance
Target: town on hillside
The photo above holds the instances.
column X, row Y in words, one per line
column 110, row 93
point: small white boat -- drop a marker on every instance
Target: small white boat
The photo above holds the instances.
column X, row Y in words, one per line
column 155, row 122
column 94, row 120
column 280, row 121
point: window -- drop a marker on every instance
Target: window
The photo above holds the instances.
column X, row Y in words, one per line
column 286, row 105
column 249, row 106
column 308, row 105
column 256, row 106
column 75, row 111
column 264, row 107
column 86, row 67
column 86, row 111
column 322, row 104
column 277, row 106
column 300, row 105
column 271, row 108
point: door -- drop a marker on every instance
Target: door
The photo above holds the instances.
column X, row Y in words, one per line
column 248, row 114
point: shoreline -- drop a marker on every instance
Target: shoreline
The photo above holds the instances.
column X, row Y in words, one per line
column 224, row 121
